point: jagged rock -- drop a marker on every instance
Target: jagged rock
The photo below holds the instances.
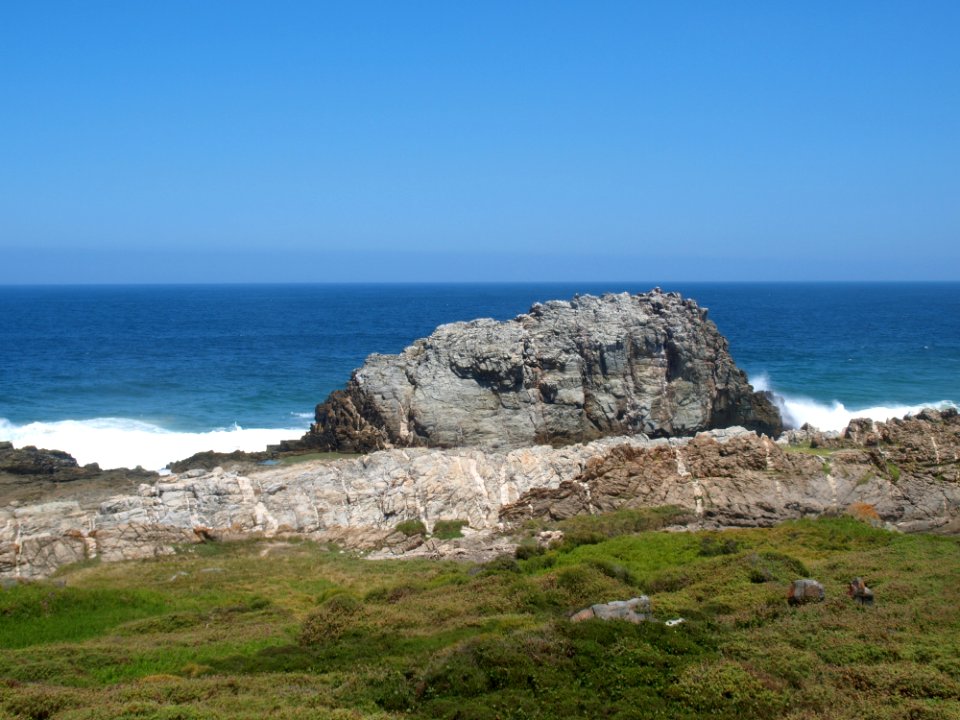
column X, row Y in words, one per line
column 31, row 461
column 805, row 591
column 809, row 435
column 722, row 478
column 735, row 478
column 564, row 372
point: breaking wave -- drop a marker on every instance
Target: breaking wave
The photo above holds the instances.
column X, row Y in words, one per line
column 120, row 442
column 797, row 410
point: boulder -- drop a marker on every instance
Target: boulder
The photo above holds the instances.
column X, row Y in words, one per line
column 635, row 610
column 859, row 591
column 562, row 373
column 805, row 591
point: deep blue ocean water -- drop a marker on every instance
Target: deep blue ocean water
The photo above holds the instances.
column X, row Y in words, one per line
column 148, row 374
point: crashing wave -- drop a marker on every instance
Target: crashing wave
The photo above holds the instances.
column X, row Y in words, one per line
column 121, row 442
column 834, row 415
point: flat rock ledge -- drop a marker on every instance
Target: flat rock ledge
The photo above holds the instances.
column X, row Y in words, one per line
column 565, row 372
column 903, row 473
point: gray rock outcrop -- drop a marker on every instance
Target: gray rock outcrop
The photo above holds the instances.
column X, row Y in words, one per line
column 565, row 372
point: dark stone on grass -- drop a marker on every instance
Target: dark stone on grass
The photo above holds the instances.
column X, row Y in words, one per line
column 859, row 591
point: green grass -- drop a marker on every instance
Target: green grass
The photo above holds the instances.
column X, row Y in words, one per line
column 411, row 527
column 807, row 450
column 294, row 630
column 449, row 529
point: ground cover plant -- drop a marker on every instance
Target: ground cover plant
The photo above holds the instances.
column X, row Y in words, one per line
column 271, row 629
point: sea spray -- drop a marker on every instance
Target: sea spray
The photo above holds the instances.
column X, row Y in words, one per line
column 120, row 442
column 797, row 411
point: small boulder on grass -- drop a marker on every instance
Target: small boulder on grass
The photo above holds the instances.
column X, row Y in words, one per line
column 859, row 591
column 635, row 610
column 805, row 590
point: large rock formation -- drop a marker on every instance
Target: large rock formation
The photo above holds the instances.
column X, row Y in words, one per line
column 905, row 473
column 564, row 372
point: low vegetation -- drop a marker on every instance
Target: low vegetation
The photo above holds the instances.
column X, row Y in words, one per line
column 297, row 630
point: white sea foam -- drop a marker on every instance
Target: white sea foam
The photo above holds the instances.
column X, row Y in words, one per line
column 119, row 442
column 797, row 410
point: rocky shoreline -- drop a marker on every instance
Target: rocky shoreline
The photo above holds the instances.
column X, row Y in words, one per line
column 903, row 473
column 578, row 407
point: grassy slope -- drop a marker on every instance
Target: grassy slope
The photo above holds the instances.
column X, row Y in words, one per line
column 269, row 629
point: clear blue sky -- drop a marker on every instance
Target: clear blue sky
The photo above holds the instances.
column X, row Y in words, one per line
column 184, row 141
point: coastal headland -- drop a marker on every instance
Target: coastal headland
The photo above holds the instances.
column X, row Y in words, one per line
column 578, row 407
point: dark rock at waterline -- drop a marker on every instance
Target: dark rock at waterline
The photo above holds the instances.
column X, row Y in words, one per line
column 29, row 473
column 565, row 372
column 209, row 459
column 30, row 460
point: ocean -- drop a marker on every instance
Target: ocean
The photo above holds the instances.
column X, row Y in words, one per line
column 144, row 375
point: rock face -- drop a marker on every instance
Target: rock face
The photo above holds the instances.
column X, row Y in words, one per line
column 564, row 372
column 909, row 475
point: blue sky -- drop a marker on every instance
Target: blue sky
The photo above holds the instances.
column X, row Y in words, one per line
column 415, row 141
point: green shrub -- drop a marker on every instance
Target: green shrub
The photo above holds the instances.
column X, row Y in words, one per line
column 713, row 545
column 594, row 529
column 36, row 703
column 774, row 567
column 412, row 527
column 500, row 564
column 725, row 689
column 528, row 549
column 667, row 581
column 449, row 529
column 330, row 620
column 614, row 570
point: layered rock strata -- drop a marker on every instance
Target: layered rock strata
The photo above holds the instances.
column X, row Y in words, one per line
column 564, row 372
column 904, row 473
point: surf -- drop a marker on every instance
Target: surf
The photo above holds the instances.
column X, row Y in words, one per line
column 798, row 411
column 123, row 442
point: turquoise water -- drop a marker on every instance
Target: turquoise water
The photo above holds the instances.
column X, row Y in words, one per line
column 145, row 374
